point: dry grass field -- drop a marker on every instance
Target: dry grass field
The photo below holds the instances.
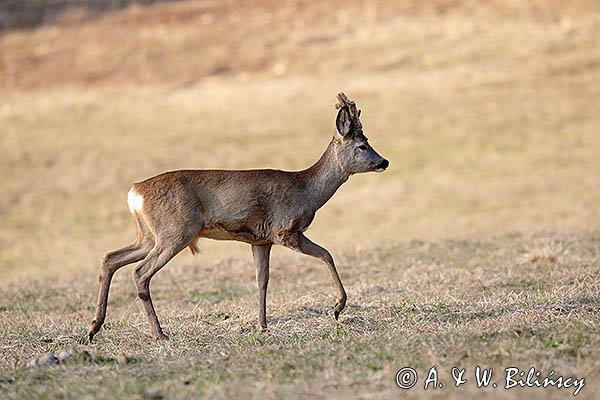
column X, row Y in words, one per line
column 480, row 246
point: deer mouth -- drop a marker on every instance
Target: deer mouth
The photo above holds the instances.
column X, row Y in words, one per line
column 382, row 166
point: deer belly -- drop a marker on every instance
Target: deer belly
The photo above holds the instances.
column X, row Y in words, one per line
column 238, row 233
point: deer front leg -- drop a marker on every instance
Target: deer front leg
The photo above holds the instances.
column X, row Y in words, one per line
column 300, row 243
column 261, row 261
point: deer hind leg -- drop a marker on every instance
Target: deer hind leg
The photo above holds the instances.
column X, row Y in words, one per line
column 164, row 250
column 110, row 264
column 300, row 243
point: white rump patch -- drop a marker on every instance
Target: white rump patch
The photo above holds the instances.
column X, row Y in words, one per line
column 134, row 201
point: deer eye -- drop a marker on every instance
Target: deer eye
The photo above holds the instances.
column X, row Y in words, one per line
column 362, row 147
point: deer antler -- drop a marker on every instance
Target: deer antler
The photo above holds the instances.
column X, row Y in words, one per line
column 344, row 101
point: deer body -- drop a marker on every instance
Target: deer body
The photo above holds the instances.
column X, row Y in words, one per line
column 260, row 207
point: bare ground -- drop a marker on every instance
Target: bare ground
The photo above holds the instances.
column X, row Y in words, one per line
column 496, row 303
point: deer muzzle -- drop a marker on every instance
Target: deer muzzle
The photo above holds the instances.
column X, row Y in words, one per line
column 382, row 166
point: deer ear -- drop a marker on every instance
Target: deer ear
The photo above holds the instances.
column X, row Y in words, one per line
column 343, row 123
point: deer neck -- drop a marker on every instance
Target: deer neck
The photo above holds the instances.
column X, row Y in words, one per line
column 324, row 178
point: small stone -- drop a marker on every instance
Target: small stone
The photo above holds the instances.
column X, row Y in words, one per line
column 154, row 394
column 124, row 359
column 63, row 356
column 47, row 359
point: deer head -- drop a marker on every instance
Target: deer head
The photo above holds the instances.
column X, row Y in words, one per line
column 352, row 149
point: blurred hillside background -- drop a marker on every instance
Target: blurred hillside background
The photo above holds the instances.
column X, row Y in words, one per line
column 487, row 111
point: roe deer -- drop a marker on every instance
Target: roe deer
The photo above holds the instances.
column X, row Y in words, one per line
column 260, row 207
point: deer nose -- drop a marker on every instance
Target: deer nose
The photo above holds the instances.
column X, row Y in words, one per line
column 383, row 164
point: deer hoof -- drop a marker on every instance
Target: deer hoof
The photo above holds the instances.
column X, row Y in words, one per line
column 161, row 336
column 263, row 330
column 94, row 328
column 336, row 314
